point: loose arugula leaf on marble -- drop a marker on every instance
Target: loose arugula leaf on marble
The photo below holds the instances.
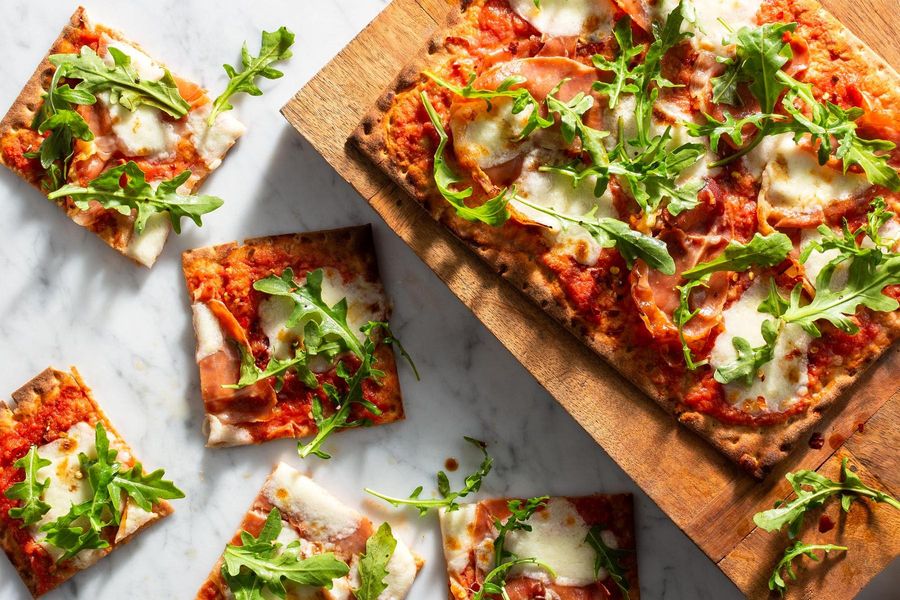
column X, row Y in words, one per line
column 777, row 582
column 812, row 491
column 275, row 46
column 625, row 76
column 373, row 564
column 448, row 499
column 261, row 563
column 29, row 490
column 125, row 189
column 492, row 212
column 760, row 251
column 121, row 81
column 521, row 98
column 81, row 528
column 608, row 559
column 609, row 233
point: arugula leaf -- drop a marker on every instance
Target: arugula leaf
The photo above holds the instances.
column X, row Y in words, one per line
column 760, row 52
column 29, row 490
column 121, row 80
column 607, row 558
column 275, row 46
column 776, row 581
column 261, row 563
column 82, row 527
column 519, row 514
column 625, row 77
column 493, row 212
column 609, row 233
column 495, row 580
column 448, row 498
column 845, row 242
column 730, row 127
column 521, row 98
column 125, row 189
column 749, row 359
column 683, row 313
column 812, row 491
column 760, row 251
column 373, row 564
column 570, row 114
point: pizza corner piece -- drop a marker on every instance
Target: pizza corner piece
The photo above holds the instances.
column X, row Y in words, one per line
column 115, row 139
column 297, row 540
column 293, row 338
column 547, row 547
column 705, row 193
column 72, row 489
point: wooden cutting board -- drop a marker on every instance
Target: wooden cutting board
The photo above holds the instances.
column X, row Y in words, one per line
column 709, row 498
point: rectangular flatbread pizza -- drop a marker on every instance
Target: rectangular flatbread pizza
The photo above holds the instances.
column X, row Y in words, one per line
column 291, row 332
column 576, row 547
column 310, row 534
column 99, row 104
column 71, row 490
column 705, row 193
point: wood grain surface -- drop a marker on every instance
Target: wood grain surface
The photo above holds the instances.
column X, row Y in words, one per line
column 700, row 490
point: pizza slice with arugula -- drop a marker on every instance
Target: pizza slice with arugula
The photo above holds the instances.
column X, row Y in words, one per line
column 544, row 547
column 293, row 338
column 119, row 142
column 299, row 541
column 71, row 490
column 705, row 193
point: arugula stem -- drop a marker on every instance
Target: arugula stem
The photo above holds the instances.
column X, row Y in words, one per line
column 757, row 140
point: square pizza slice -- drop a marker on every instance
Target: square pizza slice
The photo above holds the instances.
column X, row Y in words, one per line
column 292, row 337
column 560, row 547
column 71, row 490
column 98, row 105
column 705, row 193
column 322, row 548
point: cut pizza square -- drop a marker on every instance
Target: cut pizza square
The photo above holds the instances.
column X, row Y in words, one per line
column 684, row 185
column 299, row 541
column 72, row 489
column 292, row 337
column 547, row 547
column 100, row 115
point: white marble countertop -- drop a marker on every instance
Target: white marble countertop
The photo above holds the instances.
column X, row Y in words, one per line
column 67, row 299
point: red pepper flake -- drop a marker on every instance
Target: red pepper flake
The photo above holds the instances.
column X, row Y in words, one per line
column 451, row 464
column 836, row 440
column 825, row 524
column 860, row 427
column 816, row 441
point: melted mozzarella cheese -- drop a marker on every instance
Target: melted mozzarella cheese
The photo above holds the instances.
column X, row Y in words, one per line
column 146, row 246
column 133, row 518
column 147, row 68
column 818, row 260
column 709, row 31
column 456, row 530
column 323, row 515
column 491, row 137
column 402, row 571
column 781, row 381
column 141, row 132
column 558, row 539
column 212, row 142
column 793, row 178
column 567, row 17
column 556, row 191
column 209, row 333
column 219, row 433
column 67, row 485
column 365, row 302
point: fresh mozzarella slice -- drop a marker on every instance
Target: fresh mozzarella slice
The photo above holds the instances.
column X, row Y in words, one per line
column 457, row 531
column 209, row 333
column 324, row 516
column 147, row 69
column 793, row 178
column 782, row 381
column 220, row 433
column 557, row 538
column 568, row 17
column 146, row 246
column 212, row 142
column 365, row 302
column 142, row 131
column 402, row 571
column 490, row 138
